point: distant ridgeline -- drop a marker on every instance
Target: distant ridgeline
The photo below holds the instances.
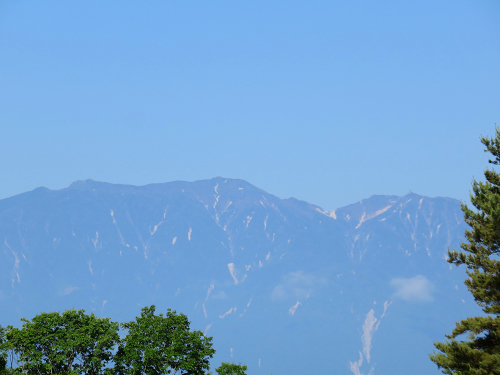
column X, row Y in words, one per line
column 282, row 285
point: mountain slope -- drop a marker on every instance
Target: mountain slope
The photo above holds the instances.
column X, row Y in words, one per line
column 280, row 284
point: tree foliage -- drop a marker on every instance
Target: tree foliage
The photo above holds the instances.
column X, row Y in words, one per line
column 3, row 352
column 157, row 344
column 227, row 368
column 69, row 343
column 74, row 343
column 480, row 354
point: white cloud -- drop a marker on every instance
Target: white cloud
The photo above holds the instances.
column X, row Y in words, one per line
column 68, row 290
column 415, row 289
column 279, row 292
column 219, row 295
column 297, row 285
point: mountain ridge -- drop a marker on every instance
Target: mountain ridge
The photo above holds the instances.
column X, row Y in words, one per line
column 265, row 276
column 84, row 185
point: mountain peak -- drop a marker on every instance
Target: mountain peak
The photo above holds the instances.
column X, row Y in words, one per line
column 233, row 257
column 78, row 184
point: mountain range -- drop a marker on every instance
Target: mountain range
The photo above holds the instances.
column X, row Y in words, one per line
column 282, row 285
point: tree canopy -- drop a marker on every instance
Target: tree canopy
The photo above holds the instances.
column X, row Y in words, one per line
column 75, row 343
column 480, row 354
column 3, row 351
column 157, row 344
column 71, row 343
column 227, row 368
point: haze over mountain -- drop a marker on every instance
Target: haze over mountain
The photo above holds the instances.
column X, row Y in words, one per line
column 281, row 284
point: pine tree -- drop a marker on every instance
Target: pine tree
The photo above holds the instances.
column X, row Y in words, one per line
column 480, row 354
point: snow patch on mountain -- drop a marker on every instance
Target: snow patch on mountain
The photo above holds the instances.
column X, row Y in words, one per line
column 292, row 309
column 368, row 330
column 155, row 228
column 327, row 213
column 210, row 288
column 233, row 273
column 96, row 240
column 386, row 305
column 366, row 217
column 356, row 365
column 230, row 311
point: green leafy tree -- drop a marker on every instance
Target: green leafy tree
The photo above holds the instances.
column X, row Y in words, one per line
column 68, row 343
column 227, row 368
column 3, row 352
column 157, row 344
column 480, row 354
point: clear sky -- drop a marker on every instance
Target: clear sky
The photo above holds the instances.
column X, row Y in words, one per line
column 326, row 101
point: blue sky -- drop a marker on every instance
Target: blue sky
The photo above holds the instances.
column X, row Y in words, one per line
column 326, row 101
